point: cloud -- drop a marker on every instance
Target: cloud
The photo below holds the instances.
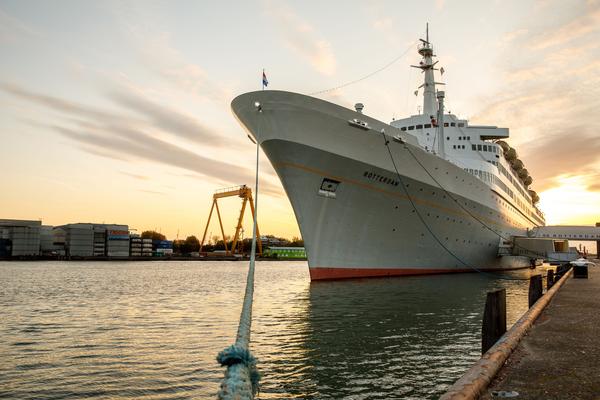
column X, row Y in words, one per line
column 169, row 120
column 163, row 59
column 123, row 137
column 587, row 22
column 550, row 100
column 135, row 176
column 383, row 24
column 509, row 37
column 137, row 144
column 149, row 114
column 264, row 185
column 58, row 104
column 563, row 153
column 302, row 38
column 154, row 192
column 12, row 28
column 595, row 185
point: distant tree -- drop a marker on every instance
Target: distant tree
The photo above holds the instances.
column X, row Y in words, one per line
column 192, row 244
column 178, row 246
column 153, row 235
column 296, row 242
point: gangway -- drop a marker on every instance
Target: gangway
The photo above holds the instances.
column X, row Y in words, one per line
column 245, row 193
column 570, row 232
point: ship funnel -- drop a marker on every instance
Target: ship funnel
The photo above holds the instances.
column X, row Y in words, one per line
column 359, row 107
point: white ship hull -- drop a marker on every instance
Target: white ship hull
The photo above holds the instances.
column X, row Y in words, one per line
column 366, row 224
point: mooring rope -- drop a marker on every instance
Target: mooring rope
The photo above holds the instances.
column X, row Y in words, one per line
column 422, row 219
column 367, row 76
column 242, row 376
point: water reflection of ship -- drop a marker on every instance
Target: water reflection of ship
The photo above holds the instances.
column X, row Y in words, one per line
column 406, row 337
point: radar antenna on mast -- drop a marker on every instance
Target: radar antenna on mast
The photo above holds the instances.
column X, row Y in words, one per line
column 427, row 66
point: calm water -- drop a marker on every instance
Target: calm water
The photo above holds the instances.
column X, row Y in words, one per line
column 153, row 329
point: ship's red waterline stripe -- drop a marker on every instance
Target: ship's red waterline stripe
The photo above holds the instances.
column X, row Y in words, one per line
column 317, row 274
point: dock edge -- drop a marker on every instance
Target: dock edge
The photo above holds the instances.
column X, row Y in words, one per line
column 476, row 380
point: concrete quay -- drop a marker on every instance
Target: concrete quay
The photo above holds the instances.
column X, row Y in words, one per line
column 559, row 358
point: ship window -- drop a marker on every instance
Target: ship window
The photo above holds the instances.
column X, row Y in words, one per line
column 485, row 148
column 452, row 124
column 427, row 125
column 410, row 128
column 403, row 128
column 454, row 146
column 460, row 124
column 419, row 127
column 468, row 137
column 479, row 147
column 447, row 137
column 445, row 124
column 473, row 147
column 460, row 138
column 463, row 146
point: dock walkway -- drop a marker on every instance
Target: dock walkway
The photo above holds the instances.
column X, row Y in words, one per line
column 560, row 356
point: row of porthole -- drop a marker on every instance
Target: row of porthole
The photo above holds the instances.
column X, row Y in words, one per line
column 491, row 213
column 456, row 240
column 474, row 207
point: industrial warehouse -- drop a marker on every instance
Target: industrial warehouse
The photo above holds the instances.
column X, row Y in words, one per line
column 30, row 239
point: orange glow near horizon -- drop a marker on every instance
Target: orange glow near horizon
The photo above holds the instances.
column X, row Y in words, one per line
column 122, row 114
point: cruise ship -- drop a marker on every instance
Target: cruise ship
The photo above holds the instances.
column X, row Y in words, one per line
column 426, row 194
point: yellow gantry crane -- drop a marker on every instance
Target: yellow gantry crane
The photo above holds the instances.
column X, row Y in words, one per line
column 245, row 193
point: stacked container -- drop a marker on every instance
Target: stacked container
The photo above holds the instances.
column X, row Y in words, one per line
column 135, row 245
column 99, row 241
column 24, row 236
column 80, row 240
column 117, row 240
column 147, row 247
column 163, row 248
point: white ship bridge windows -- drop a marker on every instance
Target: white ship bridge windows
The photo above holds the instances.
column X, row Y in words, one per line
column 413, row 127
column 489, row 148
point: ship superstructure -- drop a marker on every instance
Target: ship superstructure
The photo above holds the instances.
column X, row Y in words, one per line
column 477, row 149
column 425, row 194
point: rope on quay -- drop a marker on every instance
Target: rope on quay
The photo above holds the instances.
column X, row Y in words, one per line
column 241, row 380
column 242, row 376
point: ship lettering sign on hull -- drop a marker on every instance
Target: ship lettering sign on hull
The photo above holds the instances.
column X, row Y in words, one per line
column 380, row 178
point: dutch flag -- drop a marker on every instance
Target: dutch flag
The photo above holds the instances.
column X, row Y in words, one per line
column 265, row 82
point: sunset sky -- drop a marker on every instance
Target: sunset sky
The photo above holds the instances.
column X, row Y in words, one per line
column 118, row 111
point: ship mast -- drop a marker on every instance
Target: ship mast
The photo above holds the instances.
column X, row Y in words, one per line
column 427, row 66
